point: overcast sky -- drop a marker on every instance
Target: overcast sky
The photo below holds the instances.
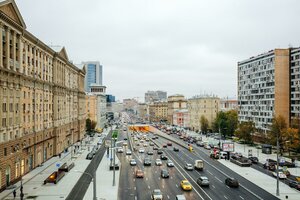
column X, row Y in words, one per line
column 188, row 47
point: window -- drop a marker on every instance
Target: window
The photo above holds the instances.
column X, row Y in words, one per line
column 5, row 151
column 11, row 107
column 4, row 107
column 4, row 122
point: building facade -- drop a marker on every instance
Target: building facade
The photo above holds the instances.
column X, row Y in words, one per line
column 228, row 104
column 181, row 118
column 268, row 86
column 130, row 105
column 175, row 102
column 99, row 92
column 93, row 74
column 207, row 106
column 91, row 107
column 142, row 112
column 42, row 99
column 153, row 96
column 158, row 112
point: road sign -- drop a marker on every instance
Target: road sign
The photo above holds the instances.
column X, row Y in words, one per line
column 57, row 165
column 115, row 134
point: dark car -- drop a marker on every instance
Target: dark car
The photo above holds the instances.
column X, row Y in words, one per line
column 125, row 138
column 159, row 151
column 155, row 148
column 147, row 162
column 294, row 184
column 89, row 156
column 254, row 160
column 175, row 149
column 150, row 153
column 165, row 146
column 164, row 173
column 163, row 157
column 231, row 182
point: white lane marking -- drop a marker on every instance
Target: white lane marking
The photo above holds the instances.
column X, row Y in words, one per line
column 168, row 196
column 135, row 197
column 148, row 186
column 190, row 178
column 163, row 186
column 209, row 172
column 133, row 179
column 171, row 177
column 228, row 186
column 134, row 188
column 146, row 179
column 176, row 185
column 241, row 197
column 213, row 186
column 225, row 197
column 218, row 179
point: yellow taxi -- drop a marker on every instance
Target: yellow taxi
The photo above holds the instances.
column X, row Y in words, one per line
column 185, row 185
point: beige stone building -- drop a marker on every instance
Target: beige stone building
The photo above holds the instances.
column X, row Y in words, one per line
column 91, row 107
column 158, row 111
column 208, row 106
column 175, row 102
column 42, row 99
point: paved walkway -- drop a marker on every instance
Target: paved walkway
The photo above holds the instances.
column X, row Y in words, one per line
column 33, row 181
column 104, row 176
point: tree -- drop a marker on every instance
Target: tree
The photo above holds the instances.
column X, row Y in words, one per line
column 204, row 124
column 291, row 139
column 278, row 126
column 245, row 130
column 226, row 122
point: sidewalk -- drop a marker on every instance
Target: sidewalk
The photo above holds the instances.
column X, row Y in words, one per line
column 244, row 149
column 33, row 181
column 262, row 180
column 104, row 178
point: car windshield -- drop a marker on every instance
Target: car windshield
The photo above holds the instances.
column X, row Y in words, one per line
column 186, row 183
column 156, row 192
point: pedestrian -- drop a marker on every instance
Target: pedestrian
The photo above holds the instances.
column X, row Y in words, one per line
column 15, row 194
column 21, row 195
column 21, row 188
column 59, row 155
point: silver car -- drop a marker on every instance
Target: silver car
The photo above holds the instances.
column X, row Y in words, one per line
column 203, row 181
column 156, row 195
column 188, row 166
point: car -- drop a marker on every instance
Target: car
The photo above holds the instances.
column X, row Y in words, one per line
column 253, row 159
column 232, row 182
column 125, row 139
column 165, row 145
column 281, row 175
column 120, row 150
column 155, row 148
column 150, row 152
column 156, row 195
column 185, row 185
column 294, row 184
column 139, row 174
column 89, row 156
column 180, row 197
column 207, row 147
column 223, row 154
column 169, row 143
column 137, row 144
column 128, row 152
column 164, row 173
column 151, row 144
column 170, row 163
column 141, row 150
column 156, row 137
column 158, row 162
column 125, row 144
column 175, row 149
column 145, row 145
column 188, row 166
column 147, row 162
column 163, row 157
column 203, row 181
column 159, row 151
column 132, row 162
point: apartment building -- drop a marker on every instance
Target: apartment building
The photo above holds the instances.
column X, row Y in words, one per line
column 91, row 107
column 99, row 92
column 181, row 118
column 228, row 104
column 268, row 85
column 205, row 105
column 42, row 99
column 175, row 102
column 158, row 111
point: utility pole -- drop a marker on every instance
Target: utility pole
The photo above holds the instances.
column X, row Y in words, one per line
column 111, row 141
column 277, row 188
column 114, row 173
column 94, row 185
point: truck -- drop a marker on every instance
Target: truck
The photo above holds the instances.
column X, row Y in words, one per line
column 199, row 165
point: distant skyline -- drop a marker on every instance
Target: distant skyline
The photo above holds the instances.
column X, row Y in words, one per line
column 187, row 47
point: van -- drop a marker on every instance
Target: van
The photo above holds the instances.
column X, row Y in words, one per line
column 180, row 197
column 223, row 154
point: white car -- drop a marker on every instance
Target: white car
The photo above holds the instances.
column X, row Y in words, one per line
column 128, row 152
column 132, row 162
column 156, row 195
column 281, row 175
column 188, row 166
column 158, row 162
column 170, row 163
column 141, row 150
column 120, row 150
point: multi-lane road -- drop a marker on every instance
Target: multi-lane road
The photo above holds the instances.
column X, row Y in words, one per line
column 141, row 188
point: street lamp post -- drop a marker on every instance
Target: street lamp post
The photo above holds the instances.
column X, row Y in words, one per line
column 94, row 182
column 277, row 170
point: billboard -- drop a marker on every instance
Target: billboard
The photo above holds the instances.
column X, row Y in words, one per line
column 228, row 146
